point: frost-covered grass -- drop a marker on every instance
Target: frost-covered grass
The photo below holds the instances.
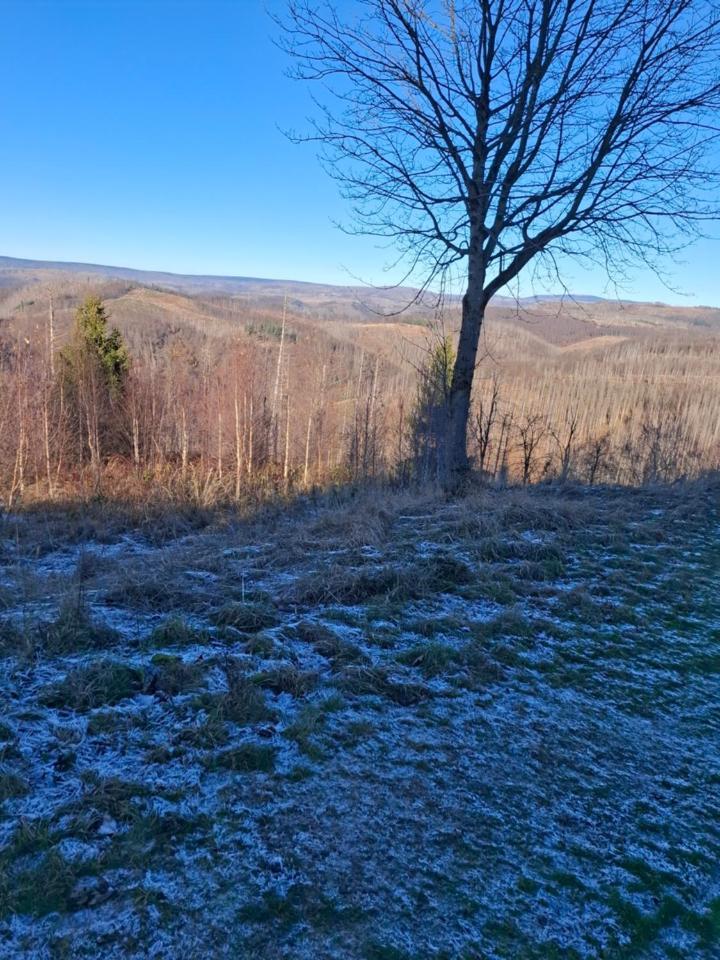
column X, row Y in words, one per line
column 394, row 728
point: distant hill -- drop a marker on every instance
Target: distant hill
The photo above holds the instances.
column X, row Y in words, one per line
column 206, row 352
column 16, row 270
column 553, row 320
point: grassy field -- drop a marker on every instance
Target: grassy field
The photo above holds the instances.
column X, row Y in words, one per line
column 388, row 728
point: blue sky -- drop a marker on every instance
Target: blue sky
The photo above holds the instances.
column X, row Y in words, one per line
column 147, row 133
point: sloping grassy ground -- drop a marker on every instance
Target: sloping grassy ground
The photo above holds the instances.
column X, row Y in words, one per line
column 387, row 729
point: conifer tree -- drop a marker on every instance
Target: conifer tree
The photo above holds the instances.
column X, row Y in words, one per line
column 93, row 340
column 93, row 372
column 428, row 422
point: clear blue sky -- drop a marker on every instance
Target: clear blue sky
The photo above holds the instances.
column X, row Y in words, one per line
column 147, row 133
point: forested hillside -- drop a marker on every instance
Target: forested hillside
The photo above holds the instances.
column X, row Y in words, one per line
column 240, row 387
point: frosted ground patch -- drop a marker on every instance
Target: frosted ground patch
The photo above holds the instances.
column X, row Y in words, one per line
column 398, row 730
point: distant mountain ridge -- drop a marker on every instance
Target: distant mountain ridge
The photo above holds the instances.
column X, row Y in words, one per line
column 234, row 285
column 141, row 276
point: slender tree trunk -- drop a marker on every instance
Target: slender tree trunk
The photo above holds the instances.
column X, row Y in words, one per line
column 307, row 452
column 238, row 447
column 473, row 314
column 184, row 444
column 251, row 442
column 286, row 463
column 219, row 442
column 46, row 438
column 136, row 440
column 61, row 427
column 276, row 391
column 51, row 336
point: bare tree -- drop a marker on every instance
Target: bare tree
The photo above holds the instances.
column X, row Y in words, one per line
column 500, row 133
column 565, row 438
column 531, row 429
column 485, row 420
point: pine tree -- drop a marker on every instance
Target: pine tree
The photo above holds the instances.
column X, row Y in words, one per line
column 93, row 373
column 92, row 339
column 428, row 422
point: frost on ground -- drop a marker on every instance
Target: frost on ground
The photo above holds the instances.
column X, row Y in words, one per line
column 394, row 730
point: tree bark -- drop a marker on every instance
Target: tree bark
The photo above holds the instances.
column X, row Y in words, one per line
column 473, row 313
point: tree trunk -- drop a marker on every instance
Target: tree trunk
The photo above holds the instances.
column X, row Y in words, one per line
column 457, row 464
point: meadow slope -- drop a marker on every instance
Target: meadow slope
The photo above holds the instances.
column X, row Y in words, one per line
column 383, row 728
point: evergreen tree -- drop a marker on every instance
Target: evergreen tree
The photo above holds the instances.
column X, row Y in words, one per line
column 93, row 371
column 428, row 422
column 93, row 340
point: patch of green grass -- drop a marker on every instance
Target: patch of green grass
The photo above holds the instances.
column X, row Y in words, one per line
column 15, row 641
column 7, row 734
column 173, row 676
column 328, row 644
column 348, row 586
column 115, row 797
column 299, row 773
column 101, row 683
column 247, row 617
column 24, row 886
column 527, row 572
column 176, row 632
column 287, row 678
column 209, row 733
column 9, row 751
column 106, row 721
column 639, row 928
column 156, row 593
column 245, row 758
column 385, row 951
column 507, row 655
column 341, row 615
column 332, row 703
column 42, row 887
column 161, row 754
column 243, row 701
column 580, row 606
column 31, row 836
column 431, row 627
column 509, row 623
column 357, row 731
column 309, row 631
column 481, row 669
column 528, row 885
column 494, row 586
column 432, row 659
column 307, row 724
column 260, row 645
column 75, row 630
column 440, row 573
column 309, row 721
column 301, row 903
column 65, row 760
column 11, row 785
column 152, row 831
column 376, row 681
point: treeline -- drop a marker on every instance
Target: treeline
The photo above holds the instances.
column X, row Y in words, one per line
column 264, row 413
column 527, row 427
column 241, row 420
